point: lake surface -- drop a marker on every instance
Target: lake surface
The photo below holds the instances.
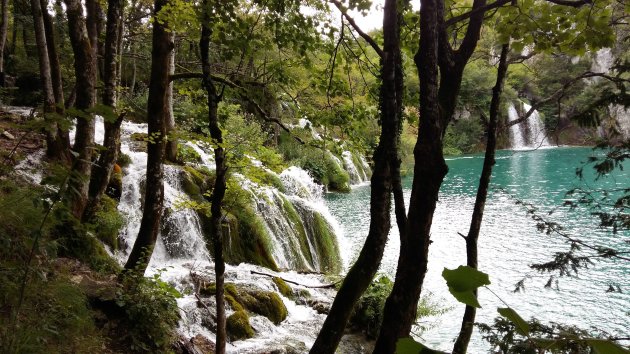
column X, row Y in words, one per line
column 509, row 242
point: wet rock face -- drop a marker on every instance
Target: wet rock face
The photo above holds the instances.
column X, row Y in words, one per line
column 196, row 345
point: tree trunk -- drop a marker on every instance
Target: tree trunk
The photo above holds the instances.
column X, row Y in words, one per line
column 362, row 272
column 461, row 344
column 85, row 73
column 53, row 149
column 438, row 97
column 171, row 144
column 4, row 29
column 57, row 82
column 218, row 192
column 111, row 145
column 156, row 113
column 429, row 171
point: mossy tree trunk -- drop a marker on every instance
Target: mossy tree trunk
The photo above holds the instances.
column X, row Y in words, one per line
column 111, row 145
column 216, row 199
column 438, row 94
column 85, row 73
column 156, row 113
column 468, row 320
column 362, row 272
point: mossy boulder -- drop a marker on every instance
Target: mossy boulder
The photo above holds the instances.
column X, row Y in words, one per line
column 238, row 327
column 283, row 287
column 251, row 299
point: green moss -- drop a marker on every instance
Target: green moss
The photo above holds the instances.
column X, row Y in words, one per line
column 261, row 302
column 107, row 222
column 75, row 241
column 368, row 313
column 124, row 160
column 292, row 214
column 238, row 327
column 233, row 303
column 283, row 287
column 326, row 244
column 264, row 303
column 139, row 137
column 186, row 154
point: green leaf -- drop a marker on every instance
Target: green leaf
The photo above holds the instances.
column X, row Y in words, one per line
column 463, row 281
column 522, row 327
column 410, row 346
column 603, row 346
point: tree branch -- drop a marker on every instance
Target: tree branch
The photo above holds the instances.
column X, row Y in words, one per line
column 242, row 92
column 354, row 25
column 560, row 91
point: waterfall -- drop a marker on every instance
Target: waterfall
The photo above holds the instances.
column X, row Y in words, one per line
column 296, row 221
column 529, row 134
column 355, row 170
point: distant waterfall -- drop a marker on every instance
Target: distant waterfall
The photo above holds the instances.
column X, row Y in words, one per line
column 529, row 134
column 357, row 168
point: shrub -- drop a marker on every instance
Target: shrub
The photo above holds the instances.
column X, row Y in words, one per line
column 151, row 311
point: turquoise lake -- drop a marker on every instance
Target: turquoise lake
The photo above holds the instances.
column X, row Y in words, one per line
column 509, row 243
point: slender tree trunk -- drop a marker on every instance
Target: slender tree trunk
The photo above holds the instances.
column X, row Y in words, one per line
column 57, row 83
column 85, row 73
column 430, row 169
column 438, row 96
column 461, row 344
column 171, row 144
column 362, row 272
column 111, row 145
column 53, row 149
column 156, row 113
column 219, row 185
column 4, row 30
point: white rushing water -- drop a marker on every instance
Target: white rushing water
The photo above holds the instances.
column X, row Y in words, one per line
column 181, row 250
column 529, row 134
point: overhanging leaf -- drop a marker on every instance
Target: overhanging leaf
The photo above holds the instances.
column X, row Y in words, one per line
column 463, row 281
column 410, row 346
column 603, row 346
column 522, row 327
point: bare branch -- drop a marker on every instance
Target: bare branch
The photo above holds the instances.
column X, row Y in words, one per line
column 354, row 25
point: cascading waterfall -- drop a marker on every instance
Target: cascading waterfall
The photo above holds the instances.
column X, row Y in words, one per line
column 529, row 134
column 357, row 172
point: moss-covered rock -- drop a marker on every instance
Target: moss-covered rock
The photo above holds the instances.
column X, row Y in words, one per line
column 251, row 299
column 238, row 327
column 283, row 287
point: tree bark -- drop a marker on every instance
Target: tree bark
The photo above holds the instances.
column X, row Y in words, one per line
column 4, row 29
column 429, row 171
column 111, row 144
column 362, row 272
column 156, row 113
column 171, row 144
column 438, row 94
column 468, row 320
column 85, row 73
column 218, row 192
column 57, row 83
column 53, row 149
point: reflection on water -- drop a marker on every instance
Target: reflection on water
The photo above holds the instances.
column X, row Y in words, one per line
column 509, row 242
